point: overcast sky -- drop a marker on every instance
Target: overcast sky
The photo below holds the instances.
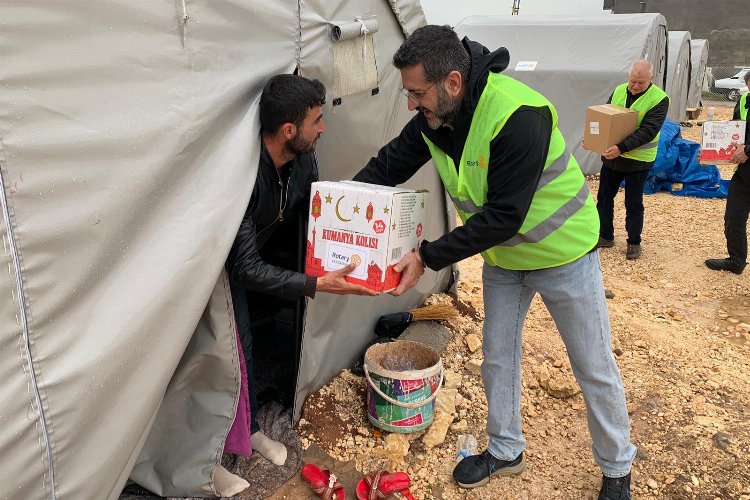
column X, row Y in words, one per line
column 452, row 11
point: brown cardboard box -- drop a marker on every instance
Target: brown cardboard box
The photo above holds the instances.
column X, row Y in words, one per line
column 606, row 125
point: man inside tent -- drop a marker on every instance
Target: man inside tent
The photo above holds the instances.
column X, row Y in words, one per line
column 291, row 122
column 632, row 158
column 527, row 209
column 738, row 200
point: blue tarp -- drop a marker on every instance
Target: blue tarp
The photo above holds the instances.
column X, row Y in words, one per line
column 677, row 162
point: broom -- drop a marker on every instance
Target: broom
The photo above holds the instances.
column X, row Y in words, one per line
column 434, row 312
column 392, row 325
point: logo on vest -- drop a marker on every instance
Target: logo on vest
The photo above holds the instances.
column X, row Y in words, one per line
column 481, row 163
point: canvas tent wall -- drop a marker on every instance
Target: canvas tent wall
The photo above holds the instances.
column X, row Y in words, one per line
column 678, row 74
column 128, row 150
column 452, row 12
column 574, row 62
column 698, row 62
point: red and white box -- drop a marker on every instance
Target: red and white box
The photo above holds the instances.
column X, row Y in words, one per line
column 720, row 139
column 373, row 226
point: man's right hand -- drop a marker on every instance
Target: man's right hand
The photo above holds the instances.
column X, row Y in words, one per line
column 334, row 282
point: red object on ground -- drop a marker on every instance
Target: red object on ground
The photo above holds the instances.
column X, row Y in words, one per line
column 321, row 483
column 381, row 484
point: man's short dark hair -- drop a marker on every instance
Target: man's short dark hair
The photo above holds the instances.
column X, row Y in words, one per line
column 437, row 48
column 286, row 99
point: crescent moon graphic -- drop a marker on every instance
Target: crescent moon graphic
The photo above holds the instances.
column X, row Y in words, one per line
column 337, row 211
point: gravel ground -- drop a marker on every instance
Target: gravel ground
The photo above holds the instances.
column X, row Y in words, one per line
column 681, row 337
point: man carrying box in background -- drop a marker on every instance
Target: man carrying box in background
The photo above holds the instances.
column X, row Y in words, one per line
column 527, row 209
column 291, row 122
column 632, row 158
column 738, row 200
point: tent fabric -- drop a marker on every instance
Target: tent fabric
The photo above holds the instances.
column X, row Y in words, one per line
column 127, row 163
column 677, row 164
column 338, row 327
column 128, row 151
column 678, row 74
column 577, row 61
column 698, row 62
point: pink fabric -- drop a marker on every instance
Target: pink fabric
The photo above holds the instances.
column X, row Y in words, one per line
column 238, row 439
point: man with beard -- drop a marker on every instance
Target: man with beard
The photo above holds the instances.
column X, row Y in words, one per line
column 291, row 122
column 527, row 209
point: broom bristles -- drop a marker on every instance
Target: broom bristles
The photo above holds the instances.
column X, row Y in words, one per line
column 435, row 312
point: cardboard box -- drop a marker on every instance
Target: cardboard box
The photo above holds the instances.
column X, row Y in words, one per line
column 717, row 140
column 373, row 226
column 606, row 125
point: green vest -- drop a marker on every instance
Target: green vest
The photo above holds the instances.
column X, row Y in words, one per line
column 643, row 104
column 562, row 223
column 743, row 107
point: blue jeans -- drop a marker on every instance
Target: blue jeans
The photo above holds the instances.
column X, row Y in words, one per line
column 574, row 295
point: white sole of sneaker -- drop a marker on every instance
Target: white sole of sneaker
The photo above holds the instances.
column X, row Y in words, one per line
column 505, row 471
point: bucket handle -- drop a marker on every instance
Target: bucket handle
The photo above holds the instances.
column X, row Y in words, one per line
column 410, row 406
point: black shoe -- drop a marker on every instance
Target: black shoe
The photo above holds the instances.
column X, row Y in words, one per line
column 604, row 243
column 615, row 488
column 633, row 252
column 724, row 265
column 476, row 470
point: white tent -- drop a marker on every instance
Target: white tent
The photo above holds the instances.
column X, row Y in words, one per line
column 698, row 61
column 128, row 151
column 678, row 74
column 575, row 62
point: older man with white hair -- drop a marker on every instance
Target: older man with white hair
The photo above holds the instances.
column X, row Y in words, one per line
column 632, row 158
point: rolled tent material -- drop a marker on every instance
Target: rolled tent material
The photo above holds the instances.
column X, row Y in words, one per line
column 352, row 29
column 678, row 74
column 575, row 62
column 698, row 62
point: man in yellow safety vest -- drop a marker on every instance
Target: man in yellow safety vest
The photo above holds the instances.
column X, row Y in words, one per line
column 632, row 158
column 527, row 209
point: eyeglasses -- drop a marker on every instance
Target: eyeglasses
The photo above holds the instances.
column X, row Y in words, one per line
column 415, row 95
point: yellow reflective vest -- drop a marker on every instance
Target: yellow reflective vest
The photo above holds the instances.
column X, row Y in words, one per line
column 645, row 103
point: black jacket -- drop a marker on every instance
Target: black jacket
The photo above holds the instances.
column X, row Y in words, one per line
column 747, row 128
column 517, row 157
column 645, row 133
column 276, row 196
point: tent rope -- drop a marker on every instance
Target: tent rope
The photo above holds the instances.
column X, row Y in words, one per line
column 362, row 31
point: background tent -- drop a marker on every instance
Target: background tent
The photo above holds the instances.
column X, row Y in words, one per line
column 698, row 61
column 575, row 62
column 128, row 149
column 451, row 12
column 678, row 74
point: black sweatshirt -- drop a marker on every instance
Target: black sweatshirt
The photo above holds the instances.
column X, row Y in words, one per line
column 517, row 157
column 645, row 133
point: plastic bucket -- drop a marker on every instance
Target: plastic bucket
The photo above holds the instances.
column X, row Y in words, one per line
column 402, row 400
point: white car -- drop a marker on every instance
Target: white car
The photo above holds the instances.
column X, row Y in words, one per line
column 735, row 84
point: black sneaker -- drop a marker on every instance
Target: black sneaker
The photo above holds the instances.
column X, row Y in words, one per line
column 476, row 470
column 615, row 488
column 725, row 265
column 604, row 243
column 633, row 252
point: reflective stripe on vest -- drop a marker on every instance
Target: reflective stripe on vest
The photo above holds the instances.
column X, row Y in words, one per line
column 743, row 107
column 645, row 103
column 561, row 224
